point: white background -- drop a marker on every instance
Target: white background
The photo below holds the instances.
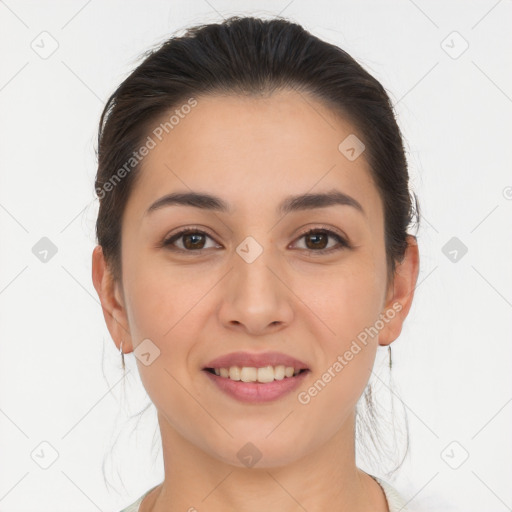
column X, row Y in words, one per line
column 61, row 380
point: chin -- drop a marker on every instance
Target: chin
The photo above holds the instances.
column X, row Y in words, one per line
column 258, row 452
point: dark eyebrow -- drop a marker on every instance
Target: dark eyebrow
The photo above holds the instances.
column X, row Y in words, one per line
column 290, row 204
column 319, row 200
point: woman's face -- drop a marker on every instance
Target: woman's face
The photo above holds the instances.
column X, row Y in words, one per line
column 249, row 280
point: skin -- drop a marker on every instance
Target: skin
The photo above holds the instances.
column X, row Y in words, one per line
column 254, row 152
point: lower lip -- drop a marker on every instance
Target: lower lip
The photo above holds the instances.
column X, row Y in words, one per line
column 257, row 392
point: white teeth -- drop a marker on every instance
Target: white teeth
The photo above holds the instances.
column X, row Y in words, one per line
column 248, row 374
column 252, row 374
column 234, row 373
column 288, row 371
column 266, row 374
column 279, row 372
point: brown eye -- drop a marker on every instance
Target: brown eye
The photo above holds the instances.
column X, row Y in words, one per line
column 191, row 240
column 195, row 240
column 317, row 240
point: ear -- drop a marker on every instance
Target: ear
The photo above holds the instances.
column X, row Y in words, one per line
column 111, row 299
column 400, row 293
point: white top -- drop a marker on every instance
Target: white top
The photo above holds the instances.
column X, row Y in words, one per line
column 395, row 501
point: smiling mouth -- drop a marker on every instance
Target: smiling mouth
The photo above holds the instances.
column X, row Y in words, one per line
column 258, row 375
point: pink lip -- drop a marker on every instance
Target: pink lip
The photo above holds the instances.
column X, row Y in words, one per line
column 255, row 392
column 256, row 360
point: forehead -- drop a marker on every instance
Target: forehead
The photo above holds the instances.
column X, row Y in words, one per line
column 253, row 151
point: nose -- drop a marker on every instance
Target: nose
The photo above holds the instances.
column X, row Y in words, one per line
column 256, row 297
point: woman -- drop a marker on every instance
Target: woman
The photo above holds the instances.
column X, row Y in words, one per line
column 253, row 253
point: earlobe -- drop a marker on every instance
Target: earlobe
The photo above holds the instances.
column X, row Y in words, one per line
column 401, row 293
column 114, row 311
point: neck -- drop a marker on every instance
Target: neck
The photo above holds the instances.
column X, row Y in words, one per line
column 325, row 479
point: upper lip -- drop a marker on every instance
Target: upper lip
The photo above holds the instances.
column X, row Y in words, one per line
column 256, row 360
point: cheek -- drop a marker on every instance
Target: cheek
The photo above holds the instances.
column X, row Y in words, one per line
column 347, row 301
column 163, row 308
column 349, row 306
column 151, row 311
column 167, row 306
column 158, row 297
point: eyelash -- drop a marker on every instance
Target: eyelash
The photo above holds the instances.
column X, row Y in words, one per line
column 343, row 244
